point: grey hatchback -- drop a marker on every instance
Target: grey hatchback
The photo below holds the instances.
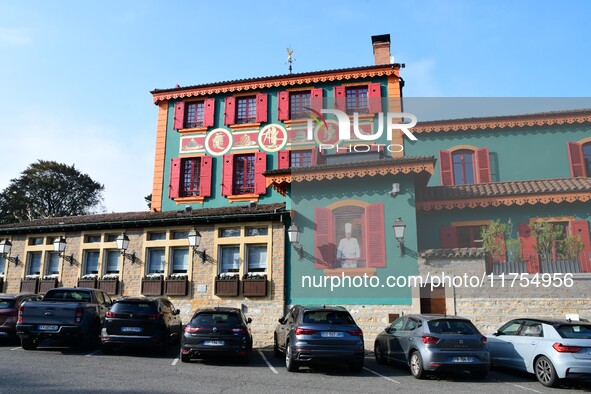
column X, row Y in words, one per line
column 434, row 343
column 309, row 334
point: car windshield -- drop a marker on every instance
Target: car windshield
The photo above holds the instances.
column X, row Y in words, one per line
column 216, row 318
column 139, row 308
column 452, row 326
column 580, row 331
column 327, row 317
column 6, row 303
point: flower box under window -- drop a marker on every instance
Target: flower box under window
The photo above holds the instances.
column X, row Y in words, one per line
column 47, row 284
column 254, row 287
column 88, row 283
column 109, row 286
column 176, row 286
column 29, row 285
column 152, row 286
column 227, row 287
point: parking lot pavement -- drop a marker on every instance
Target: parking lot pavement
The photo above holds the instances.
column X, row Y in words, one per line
column 54, row 368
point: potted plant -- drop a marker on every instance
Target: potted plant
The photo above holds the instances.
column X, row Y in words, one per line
column 254, row 285
column 152, row 284
column 48, row 282
column 88, row 280
column 227, row 284
column 109, row 283
column 29, row 284
column 176, row 284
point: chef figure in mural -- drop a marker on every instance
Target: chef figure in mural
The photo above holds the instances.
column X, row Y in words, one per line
column 348, row 251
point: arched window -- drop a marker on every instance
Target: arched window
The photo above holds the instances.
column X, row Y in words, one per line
column 463, row 167
column 579, row 155
column 587, row 157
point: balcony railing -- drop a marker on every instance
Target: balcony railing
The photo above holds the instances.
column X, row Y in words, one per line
column 536, row 264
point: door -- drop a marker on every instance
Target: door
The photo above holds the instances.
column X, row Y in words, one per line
column 501, row 346
column 394, row 350
column 526, row 343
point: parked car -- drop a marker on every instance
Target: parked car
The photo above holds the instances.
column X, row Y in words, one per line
column 141, row 321
column 76, row 314
column 217, row 332
column 429, row 343
column 309, row 334
column 9, row 305
column 550, row 349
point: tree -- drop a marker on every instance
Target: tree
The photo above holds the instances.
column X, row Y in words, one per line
column 148, row 200
column 49, row 189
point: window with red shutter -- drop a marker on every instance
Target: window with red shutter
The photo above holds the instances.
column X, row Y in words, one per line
column 194, row 114
column 580, row 228
column 244, row 174
column 463, row 167
column 227, row 174
column 448, row 237
column 261, row 108
column 340, row 98
column 175, row 174
column 529, row 245
column 577, row 158
column 190, row 177
column 179, row 115
column 445, row 168
column 374, row 95
column 283, row 157
column 230, row 111
column 209, row 113
column 260, row 166
column 205, row 182
column 324, row 243
column 246, row 110
column 316, row 102
column 483, row 165
column 299, row 104
column 357, row 99
column 283, row 106
column 375, row 248
column 301, row 158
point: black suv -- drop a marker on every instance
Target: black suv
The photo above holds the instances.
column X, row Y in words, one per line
column 310, row 334
column 142, row 321
column 217, row 332
column 9, row 305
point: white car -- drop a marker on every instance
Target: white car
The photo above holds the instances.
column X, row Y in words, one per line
column 551, row 349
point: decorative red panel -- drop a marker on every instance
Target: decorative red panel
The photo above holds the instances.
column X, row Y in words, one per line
column 175, row 178
column 230, row 111
column 576, row 159
column 208, row 112
column 260, row 166
column 262, row 107
column 179, row 115
column 448, row 237
column 375, row 237
column 446, row 168
column 227, row 174
column 483, row 165
column 205, row 181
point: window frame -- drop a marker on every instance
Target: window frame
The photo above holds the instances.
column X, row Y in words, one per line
column 246, row 114
column 193, row 178
column 198, row 114
column 248, row 176
column 361, row 102
column 464, row 166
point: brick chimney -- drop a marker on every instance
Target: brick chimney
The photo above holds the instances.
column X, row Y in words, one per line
column 381, row 48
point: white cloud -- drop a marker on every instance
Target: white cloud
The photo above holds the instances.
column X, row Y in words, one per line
column 15, row 36
column 121, row 163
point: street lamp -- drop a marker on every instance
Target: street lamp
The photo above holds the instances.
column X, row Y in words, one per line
column 399, row 227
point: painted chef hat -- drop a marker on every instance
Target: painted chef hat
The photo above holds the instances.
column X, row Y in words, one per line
column 348, row 227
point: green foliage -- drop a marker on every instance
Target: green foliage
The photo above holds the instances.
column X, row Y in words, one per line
column 148, row 200
column 497, row 239
column 571, row 246
column 546, row 235
column 49, row 189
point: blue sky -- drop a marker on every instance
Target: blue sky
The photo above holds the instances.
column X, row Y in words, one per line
column 75, row 76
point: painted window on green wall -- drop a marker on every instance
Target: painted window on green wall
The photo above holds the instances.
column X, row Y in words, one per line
column 463, row 164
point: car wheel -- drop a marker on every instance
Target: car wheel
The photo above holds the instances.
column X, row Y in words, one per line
column 356, row 366
column 379, row 354
column 28, row 343
column 276, row 352
column 545, row 372
column 291, row 364
column 479, row 374
column 416, row 365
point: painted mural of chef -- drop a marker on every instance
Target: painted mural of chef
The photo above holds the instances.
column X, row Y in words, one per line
column 348, row 250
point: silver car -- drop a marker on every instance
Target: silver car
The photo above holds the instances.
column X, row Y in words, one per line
column 434, row 343
column 551, row 349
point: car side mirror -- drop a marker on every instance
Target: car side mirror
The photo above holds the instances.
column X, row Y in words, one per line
column 387, row 329
column 177, row 311
column 496, row 334
column 281, row 320
column 248, row 321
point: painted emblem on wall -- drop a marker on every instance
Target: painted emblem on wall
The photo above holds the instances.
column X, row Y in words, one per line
column 218, row 142
column 327, row 135
column 298, row 135
column 272, row 138
column 245, row 140
column 193, row 144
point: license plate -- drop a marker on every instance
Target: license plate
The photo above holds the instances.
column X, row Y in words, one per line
column 213, row 343
column 47, row 328
column 331, row 334
column 131, row 329
column 462, row 359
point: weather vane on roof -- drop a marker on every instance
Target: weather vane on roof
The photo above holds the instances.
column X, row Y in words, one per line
column 290, row 58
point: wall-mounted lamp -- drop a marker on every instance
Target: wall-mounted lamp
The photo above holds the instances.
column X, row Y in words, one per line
column 122, row 245
column 194, row 238
column 59, row 246
column 5, row 247
column 399, row 227
column 293, row 232
column 395, row 190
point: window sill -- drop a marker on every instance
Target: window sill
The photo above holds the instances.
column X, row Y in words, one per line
column 350, row 272
column 296, row 122
column 193, row 130
column 243, row 197
column 187, row 200
column 244, row 126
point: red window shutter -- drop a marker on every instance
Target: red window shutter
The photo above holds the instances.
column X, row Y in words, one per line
column 282, row 106
column 483, row 165
column 179, row 115
column 374, row 97
column 230, row 111
column 316, row 99
column 529, row 246
column 227, row 174
column 205, row 181
column 208, row 112
column 283, row 158
column 262, row 107
column 375, row 243
column 260, row 166
column 576, row 159
column 448, row 237
column 175, row 178
column 317, row 157
column 324, row 246
column 581, row 228
column 446, row 168
column 340, row 98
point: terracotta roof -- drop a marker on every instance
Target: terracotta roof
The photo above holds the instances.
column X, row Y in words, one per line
column 148, row 219
column 275, row 81
column 508, row 121
column 453, row 253
column 505, row 189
